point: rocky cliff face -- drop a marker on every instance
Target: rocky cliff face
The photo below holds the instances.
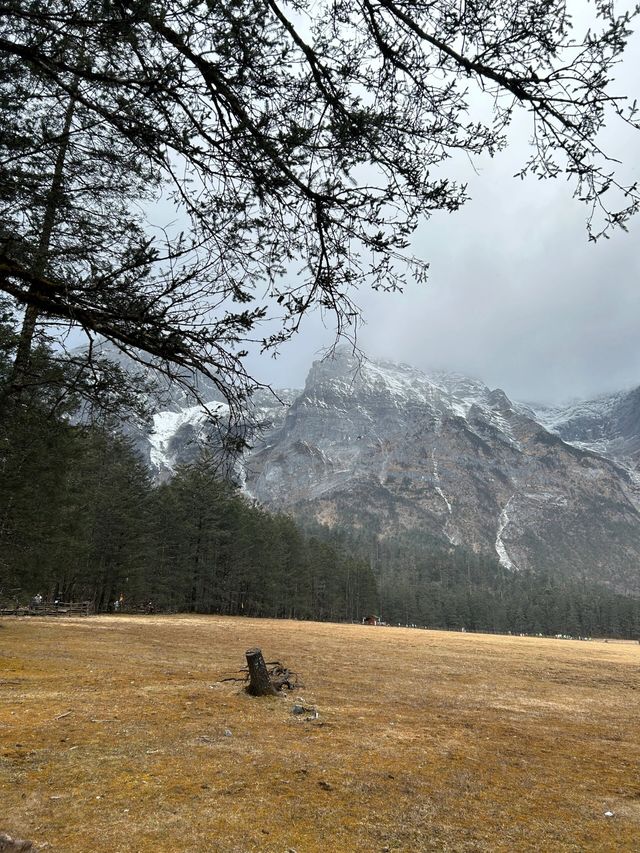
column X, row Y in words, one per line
column 386, row 448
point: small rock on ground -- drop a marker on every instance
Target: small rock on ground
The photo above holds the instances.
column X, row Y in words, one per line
column 13, row 845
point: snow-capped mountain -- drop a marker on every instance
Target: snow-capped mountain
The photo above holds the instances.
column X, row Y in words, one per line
column 385, row 447
column 609, row 424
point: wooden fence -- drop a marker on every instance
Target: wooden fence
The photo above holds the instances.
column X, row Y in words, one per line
column 60, row 608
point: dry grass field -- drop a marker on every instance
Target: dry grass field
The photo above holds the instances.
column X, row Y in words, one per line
column 112, row 738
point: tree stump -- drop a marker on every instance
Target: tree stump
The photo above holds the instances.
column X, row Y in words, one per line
column 259, row 680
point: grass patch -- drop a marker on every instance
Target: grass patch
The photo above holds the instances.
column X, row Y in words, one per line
column 112, row 738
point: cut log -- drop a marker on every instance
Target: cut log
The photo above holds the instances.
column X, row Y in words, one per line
column 259, row 680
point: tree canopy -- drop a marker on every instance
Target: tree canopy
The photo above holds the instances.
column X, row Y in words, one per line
column 292, row 147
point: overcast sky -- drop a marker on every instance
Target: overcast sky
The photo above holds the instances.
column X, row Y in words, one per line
column 517, row 296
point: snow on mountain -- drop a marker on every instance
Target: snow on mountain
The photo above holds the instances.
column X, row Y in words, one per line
column 608, row 425
column 597, row 409
column 179, row 433
column 165, row 448
column 441, row 393
column 450, row 394
column 503, row 555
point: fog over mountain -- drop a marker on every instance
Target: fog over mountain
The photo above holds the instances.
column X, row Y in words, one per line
column 516, row 296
